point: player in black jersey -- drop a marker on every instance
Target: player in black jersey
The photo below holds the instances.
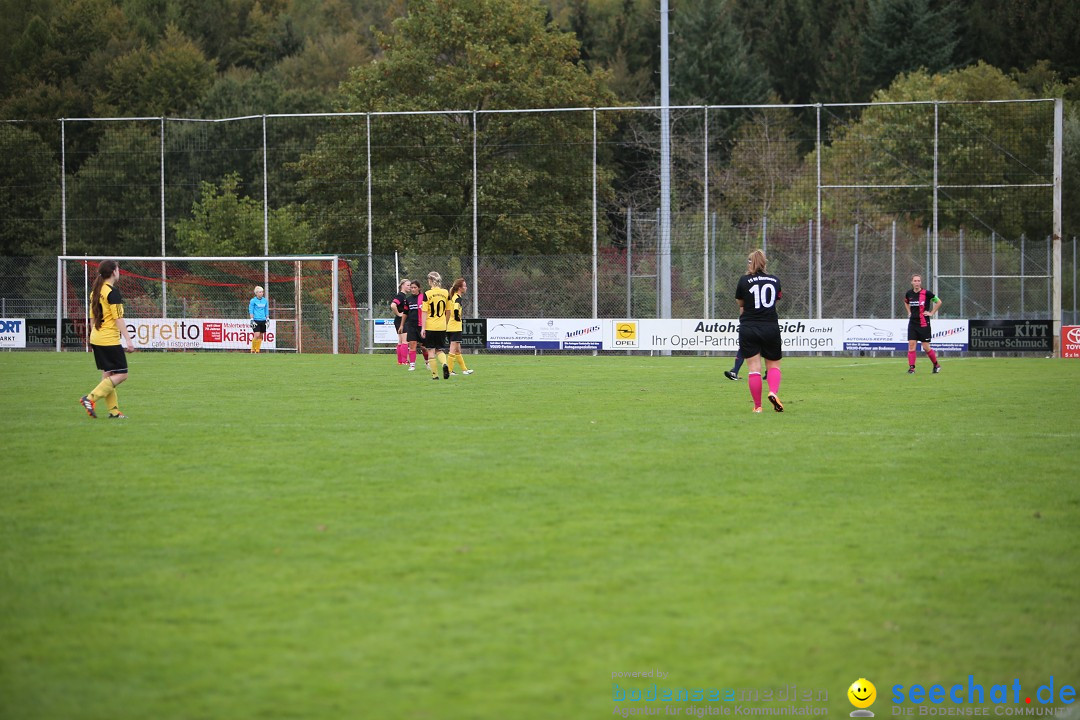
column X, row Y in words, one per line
column 759, row 328
column 922, row 304
column 397, row 306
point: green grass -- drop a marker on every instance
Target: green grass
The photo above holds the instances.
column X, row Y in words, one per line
column 333, row 537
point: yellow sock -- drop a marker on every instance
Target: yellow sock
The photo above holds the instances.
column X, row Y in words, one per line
column 431, row 365
column 442, row 358
column 461, row 361
column 102, row 391
column 253, row 341
column 114, row 402
column 258, row 344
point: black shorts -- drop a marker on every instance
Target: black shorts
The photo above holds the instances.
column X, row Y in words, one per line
column 454, row 337
column 258, row 326
column 110, row 359
column 412, row 333
column 917, row 332
column 434, row 339
column 760, row 339
column 397, row 325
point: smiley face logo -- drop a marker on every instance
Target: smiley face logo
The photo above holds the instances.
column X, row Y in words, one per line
column 862, row 693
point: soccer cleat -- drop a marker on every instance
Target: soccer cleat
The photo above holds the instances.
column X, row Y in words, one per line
column 467, row 372
column 777, row 405
column 434, row 377
column 730, row 375
column 937, row 369
column 412, row 366
column 118, row 416
column 88, row 405
column 445, row 372
column 757, row 409
column 911, row 370
column 452, row 373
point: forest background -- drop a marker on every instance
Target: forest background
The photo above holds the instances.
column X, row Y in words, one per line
column 228, row 58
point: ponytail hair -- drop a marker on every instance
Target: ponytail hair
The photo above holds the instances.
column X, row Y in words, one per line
column 456, row 287
column 434, row 279
column 757, row 261
column 105, row 271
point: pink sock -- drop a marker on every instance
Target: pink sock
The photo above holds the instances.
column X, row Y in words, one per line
column 412, row 356
column 911, row 358
column 932, row 355
column 773, row 377
column 401, row 353
column 754, row 381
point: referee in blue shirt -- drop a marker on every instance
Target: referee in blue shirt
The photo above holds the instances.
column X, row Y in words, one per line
column 258, row 310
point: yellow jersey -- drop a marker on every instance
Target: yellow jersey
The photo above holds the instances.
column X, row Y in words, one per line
column 455, row 314
column 112, row 311
column 435, row 309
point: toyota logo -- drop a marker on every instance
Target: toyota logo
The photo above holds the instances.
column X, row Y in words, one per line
column 1073, row 336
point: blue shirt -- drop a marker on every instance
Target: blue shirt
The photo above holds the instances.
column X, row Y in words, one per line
column 257, row 309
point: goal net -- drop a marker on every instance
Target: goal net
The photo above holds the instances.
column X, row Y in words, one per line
column 201, row 303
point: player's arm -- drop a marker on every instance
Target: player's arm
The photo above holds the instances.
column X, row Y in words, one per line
column 251, row 309
column 122, row 327
column 740, row 301
column 422, row 316
column 394, row 307
column 937, row 304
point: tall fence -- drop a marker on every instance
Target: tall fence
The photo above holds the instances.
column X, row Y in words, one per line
column 557, row 212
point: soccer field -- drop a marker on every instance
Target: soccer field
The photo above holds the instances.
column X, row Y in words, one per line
column 313, row 536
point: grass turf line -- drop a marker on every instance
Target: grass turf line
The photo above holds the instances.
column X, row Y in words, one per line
column 314, row 536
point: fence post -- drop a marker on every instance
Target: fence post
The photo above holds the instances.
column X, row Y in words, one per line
column 892, row 273
column 765, row 234
column 595, row 280
column 705, row 221
column 370, row 271
column 820, row 230
column 810, row 267
column 164, row 288
column 1074, row 280
column 1050, row 277
column 266, row 208
column 961, row 239
column 62, row 267
column 993, row 273
column 855, row 276
column 1023, row 251
column 629, row 264
column 936, row 239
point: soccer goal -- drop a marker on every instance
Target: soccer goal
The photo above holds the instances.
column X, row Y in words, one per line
column 201, row 303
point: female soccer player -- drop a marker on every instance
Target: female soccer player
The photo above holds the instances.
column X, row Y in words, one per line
column 918, row 299
column 258, row 311
column 107, row 309
column 454, row 324
column 433, row 325
column 397, row 305
column 759, row 328
column 411, row 321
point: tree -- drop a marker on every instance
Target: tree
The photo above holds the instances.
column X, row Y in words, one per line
column 29, row 188
column 711, row 60
column 535, row 188
column 225, row 222
column 906, row 35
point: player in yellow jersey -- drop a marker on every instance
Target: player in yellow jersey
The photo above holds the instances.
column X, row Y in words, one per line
column 433, row 324
column 107, row 310
column 454, row 325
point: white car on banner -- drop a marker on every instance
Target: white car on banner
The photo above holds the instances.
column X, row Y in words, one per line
column 197, row 334
column 545, row 334
column 889, row 334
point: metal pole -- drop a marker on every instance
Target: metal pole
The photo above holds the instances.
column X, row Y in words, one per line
column 892, row 273
column 397, row 271
column 809, row 267
column 1023, row 251
column 59, row 303
column 1049, row 283
column 665, row 170
column 926, row 271
column 1059, row 126
column 61, row 276
column 164, row 287
column 765, row 235
column 855, row 276
column 594, row 211
column 705, row 222
column 1074, row 280
column 266, row 209
column 712, row 268
column 934, row 270
column 961, row 272
column 993, row 274
column 476, row 221
column 820, row 229
column 334, row 301
column 629, row 265
column 370, row 235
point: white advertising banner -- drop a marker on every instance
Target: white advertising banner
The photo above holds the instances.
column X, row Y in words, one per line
column 545, row 333
column 888, row 334
column 12, row 333
column 383, row 331
column 197, row 334
column 718, row 335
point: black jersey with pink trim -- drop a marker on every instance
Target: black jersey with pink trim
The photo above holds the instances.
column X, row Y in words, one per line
column 919, row 303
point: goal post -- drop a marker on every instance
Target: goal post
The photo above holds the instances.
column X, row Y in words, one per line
column 202, row 302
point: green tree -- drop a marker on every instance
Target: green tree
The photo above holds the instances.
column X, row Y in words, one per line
column 226, row 222
column 905, row 35
column 29, row 189
column 711, row 61
column 535, row 188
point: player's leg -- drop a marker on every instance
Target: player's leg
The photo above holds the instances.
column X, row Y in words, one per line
column 932, row 355
column 911, row 355
column 112, row 399
column 412, row 354
column 733, row 373
column 753, row 379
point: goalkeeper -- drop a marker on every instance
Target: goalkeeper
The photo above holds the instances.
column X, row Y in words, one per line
column 258, row 310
